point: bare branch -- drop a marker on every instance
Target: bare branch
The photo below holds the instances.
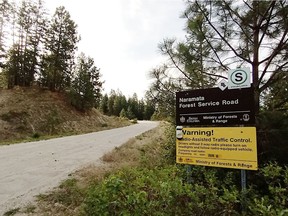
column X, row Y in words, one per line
column 212, row 48
column 221, row 36
column 275, row 52
column 271, row 79
column 235, row 21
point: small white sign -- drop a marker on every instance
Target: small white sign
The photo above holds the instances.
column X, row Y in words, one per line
column 239, row 78
column 223, row 84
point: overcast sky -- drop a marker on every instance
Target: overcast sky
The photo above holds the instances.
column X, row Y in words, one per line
column 122, row 36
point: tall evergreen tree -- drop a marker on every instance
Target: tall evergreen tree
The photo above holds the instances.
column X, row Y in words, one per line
column 86, row 86
column 116, row 104
column 36, row 39
column 111, row 100
column 27, row 33
column 119, row 103
column 149, row 110
column 61, row 44
column 196, row 69
column 141, row 109
column 12, row 66
column 227, row 34
column 249, row 33
column 133, row 104
column 189, row 66
column 104, row 104
column 5, row 11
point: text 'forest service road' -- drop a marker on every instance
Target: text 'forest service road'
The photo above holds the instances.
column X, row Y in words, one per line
column 28, row 169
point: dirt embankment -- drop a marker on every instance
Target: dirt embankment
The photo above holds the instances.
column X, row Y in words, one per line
column 33, row 112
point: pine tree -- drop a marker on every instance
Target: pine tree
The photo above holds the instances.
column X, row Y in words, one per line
column 223, row 35
column 162, row 92
column 86, row 86
column 133, row 104
column 111, row 99
column 104, row 104
column 36, row 40
column 249, row 33
column 141, row 109
column 23, row 57
column 5, row 11
column 149, row 110
column 123, row 113
column 61, row 44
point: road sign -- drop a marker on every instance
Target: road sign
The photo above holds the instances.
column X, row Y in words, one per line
column 215, row 107
column 227, row 147
column 223, row 84
column 239, row 78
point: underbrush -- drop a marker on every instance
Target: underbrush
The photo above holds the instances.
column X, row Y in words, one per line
column 138, row 192
column 162, row 191
column 169, row 189
column 141, row 178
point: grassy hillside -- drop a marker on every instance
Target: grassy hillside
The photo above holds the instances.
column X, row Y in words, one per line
column 27, row 113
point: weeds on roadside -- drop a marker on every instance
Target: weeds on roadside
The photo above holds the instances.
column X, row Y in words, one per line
column 142, row 179
column 12, row 212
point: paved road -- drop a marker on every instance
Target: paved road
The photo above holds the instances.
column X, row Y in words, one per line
column 28, row 169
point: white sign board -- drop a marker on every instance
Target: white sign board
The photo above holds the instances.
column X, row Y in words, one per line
column 223, row 84
column 239, row 78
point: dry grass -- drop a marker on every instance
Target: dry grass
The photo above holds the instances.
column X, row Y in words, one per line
column 31, row 113
column 128, row 152
column 144, row 148
column 66, row 199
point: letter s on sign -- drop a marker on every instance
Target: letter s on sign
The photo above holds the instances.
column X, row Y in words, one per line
column 239, row 77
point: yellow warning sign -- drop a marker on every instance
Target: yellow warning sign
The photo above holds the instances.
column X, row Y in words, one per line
column 228, row 147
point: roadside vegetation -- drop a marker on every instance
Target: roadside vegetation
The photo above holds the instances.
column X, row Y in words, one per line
column 141, row 178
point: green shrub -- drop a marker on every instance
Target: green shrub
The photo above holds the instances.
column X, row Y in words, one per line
column 272, row 136
column 11, row 212
column 35, row 135
column 15, row 116
column 52, row 120
column 137, row 192
column 104, row 125
column 267, row 188
column 269, row 194
column 156, row 192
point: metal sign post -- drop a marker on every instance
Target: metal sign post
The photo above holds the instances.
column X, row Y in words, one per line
column 222, row 132
column 243, row 187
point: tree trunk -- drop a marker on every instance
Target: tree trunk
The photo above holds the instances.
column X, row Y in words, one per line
column 255, row 64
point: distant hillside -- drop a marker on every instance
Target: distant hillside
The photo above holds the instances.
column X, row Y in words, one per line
column 32, row 112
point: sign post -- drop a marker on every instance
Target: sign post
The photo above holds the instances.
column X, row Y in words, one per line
column 243, row 187
column 219, row 141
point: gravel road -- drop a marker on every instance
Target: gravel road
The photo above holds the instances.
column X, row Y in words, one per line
column 28, row 169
